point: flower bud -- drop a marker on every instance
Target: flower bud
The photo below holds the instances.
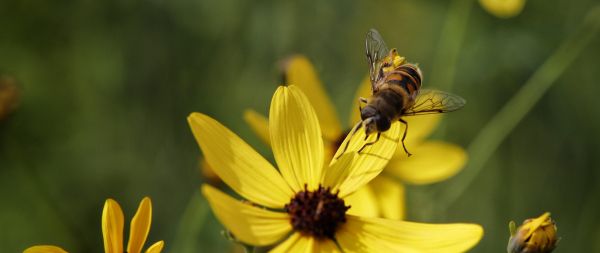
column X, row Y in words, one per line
column 533, row 236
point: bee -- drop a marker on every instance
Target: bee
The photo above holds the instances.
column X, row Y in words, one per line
column 396, row 92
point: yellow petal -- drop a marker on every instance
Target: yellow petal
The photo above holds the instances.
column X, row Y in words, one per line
column 329, row 150
column 298, row 243
column 361, row 234
column 362, row 202
column 156, row 247
column 248, row 223
column 207, row 172
column 536, row 223
column 325, row 246
column 300, row 72
column 112, row 227
column 503, row 8
column 390, row 196
column 296, row 138
column 431, row 162
column 419, row 127
column 335, row 174
column 140, row 226
column 259, row 124
column 44, row 249
column 364, row 90
column 238, row 165
column 371, row 160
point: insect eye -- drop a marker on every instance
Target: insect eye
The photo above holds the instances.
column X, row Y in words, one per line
column 383, row 123
column 367, row 112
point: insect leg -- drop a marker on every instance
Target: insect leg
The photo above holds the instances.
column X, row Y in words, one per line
column 360, row 101
column 404, row 136
column 352, row 132
column 370, row 143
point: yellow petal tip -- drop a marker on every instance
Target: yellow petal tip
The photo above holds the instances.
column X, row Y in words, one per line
column 44, row 249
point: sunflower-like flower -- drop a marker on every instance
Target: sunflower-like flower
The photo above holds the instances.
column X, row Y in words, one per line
column 112, row 230
column 503, row 8
column 302, row 206
column 431, row 162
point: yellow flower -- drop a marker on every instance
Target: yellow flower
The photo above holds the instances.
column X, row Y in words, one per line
column 535, row 235
column 112, row 230
column 302, row 205
column 432, row 161
column 503, row 8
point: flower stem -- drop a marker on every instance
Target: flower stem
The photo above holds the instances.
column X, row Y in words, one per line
column 452, row 36
column 190, row 225
column 499, row 127
column 585, row 232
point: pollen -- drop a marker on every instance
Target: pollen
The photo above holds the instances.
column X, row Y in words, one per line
column 317, row 213
column 398, row 60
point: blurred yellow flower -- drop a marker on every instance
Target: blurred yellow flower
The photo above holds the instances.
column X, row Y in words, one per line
column 44, row 249
column 112, row 230
column 503, row 8
column 303, row 204
column 535, row 235
column 432, row 161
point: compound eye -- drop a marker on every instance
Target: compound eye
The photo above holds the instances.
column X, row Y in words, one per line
column 383, row 124
column 367, row 112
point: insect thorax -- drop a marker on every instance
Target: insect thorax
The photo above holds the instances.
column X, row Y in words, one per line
column 390, row 102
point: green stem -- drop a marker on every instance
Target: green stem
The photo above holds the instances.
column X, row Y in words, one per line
column 190, row 225
column 452, row 36
column 491, row 136
column 37, row 192
column 585, row 232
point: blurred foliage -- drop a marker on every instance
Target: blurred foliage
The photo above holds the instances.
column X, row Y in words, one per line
column 105, row 87
column 9, row 96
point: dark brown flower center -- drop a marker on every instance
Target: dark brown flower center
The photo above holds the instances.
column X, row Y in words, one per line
column 317, row 213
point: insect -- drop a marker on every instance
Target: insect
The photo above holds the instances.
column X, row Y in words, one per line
column 396, row 92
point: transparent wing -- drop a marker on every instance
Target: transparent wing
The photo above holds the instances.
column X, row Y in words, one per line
column 435, row 101
column 376, row 53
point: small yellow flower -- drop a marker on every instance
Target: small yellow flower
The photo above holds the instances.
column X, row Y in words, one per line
column 112, row 230
column 503, row 8
column 433, row 161
column 302, row 205
column 535, row 235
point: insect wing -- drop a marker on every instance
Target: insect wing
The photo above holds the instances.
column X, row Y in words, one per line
column 377, row 51
column 435, row 101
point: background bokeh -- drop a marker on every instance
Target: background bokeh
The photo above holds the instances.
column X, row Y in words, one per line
column 105, row 88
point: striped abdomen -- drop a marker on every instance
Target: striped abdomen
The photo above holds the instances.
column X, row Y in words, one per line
column 406, row 76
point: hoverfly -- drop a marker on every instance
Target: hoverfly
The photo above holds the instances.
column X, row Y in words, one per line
column 396, row 92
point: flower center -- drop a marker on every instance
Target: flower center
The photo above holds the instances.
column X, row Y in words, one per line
column 317, row 213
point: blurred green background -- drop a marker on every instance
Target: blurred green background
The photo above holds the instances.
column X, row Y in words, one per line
column 105, row 88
